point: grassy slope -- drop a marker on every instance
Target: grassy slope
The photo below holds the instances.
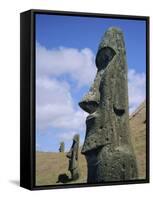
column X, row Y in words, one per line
column 50, row 165
column 138, row 136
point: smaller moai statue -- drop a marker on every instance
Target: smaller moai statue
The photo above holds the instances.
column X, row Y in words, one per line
column 62, row 147
column 73, row 158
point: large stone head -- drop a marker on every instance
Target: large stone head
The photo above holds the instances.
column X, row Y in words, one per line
column 107, row 100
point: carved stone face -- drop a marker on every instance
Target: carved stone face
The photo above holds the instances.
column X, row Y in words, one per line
column 107, row 100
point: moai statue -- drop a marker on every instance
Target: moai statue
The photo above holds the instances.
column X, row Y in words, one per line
column 62, row 147
column 73, row 158
column 107, row 146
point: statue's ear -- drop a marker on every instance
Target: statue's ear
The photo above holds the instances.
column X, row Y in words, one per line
column 104, row 56
column 120, row 93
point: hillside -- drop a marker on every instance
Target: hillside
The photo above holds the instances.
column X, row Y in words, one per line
column 50, row 165
column 51, row 168
column 138, row 136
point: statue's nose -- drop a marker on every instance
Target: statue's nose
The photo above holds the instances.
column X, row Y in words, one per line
column 90, row 102
column 89, row 106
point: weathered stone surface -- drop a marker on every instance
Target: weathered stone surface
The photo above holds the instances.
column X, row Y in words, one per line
column 62, row 147
column 107, row 144
column 73, row 158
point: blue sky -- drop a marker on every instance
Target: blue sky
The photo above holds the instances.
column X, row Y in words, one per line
column 65, row 51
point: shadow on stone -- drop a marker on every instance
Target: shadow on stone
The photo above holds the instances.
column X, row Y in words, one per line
column 63, row 178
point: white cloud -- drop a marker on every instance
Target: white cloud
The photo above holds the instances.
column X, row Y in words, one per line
column 79, row 64
column 136, row 87
column 66, row 136
column 55, row 106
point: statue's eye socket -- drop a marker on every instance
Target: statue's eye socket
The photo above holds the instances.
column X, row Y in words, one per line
column 104, row 56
